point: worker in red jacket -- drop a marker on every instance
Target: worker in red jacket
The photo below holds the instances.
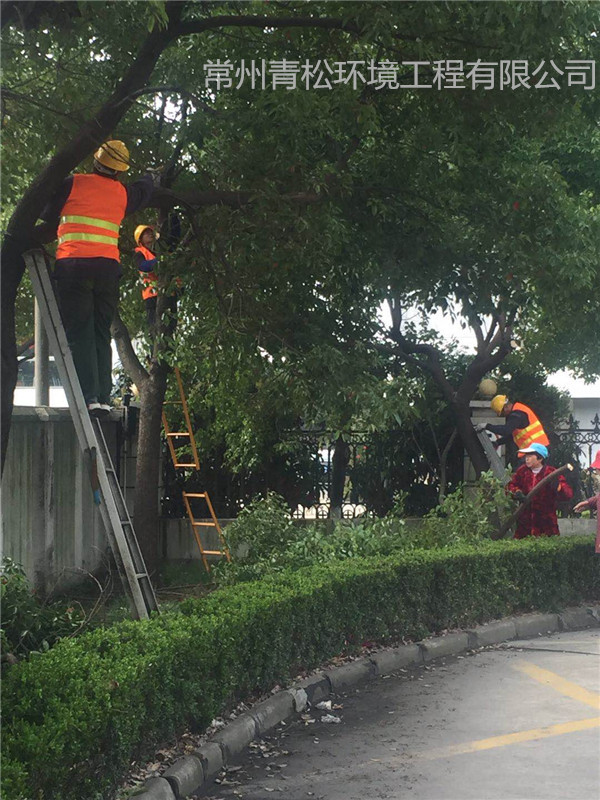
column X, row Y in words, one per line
column 539, row 517
column 593, row 503
column 87, row 211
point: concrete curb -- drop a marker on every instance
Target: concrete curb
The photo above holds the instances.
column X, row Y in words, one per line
column 156, row 789
column 194, row 772
column 272, row 710
column 185, row 775
column 440, row 646
column 536, row 625
column 211, row 756
column 236, row 736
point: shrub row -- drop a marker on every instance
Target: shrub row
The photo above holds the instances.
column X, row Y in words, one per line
column 75, row 716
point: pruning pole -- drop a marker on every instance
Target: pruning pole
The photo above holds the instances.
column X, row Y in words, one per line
column 507, row 524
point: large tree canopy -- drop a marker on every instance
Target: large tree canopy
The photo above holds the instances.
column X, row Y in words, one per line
column 308, row 208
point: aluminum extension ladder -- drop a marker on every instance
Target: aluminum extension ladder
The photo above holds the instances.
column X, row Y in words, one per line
column 194, row 463
column 496, row 464
column 107, row 492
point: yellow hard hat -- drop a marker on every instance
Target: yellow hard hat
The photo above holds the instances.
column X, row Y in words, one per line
column 114, row 155
column 498, row 403
column 137, row 234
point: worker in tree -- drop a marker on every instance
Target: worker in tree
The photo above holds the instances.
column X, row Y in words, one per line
column 522, row 425
column 539, row 518
column 87, row 211
column 146, row 261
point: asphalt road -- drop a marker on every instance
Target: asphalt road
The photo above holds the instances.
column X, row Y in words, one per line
column 520, row 721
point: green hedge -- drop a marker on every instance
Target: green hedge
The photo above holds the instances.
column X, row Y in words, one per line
column 75, row 716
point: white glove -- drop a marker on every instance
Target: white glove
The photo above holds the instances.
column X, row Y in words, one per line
column 480, row 426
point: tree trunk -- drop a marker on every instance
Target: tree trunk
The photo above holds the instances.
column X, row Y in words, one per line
column 147, row 475
column 339, row 464
column 468, row 436
column 443, row 467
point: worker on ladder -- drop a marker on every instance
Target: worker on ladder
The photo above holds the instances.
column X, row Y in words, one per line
column 146, row 261
column 522, row 424
column 87, row 211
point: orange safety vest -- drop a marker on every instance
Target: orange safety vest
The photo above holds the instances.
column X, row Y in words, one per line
column 91, row 218
column 149, row 279
column 534, row 432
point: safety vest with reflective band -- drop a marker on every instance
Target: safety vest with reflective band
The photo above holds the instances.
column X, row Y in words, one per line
column 149, row 279
column 91, row 218
column 533, row 433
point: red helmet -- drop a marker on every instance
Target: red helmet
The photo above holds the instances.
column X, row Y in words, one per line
column 596, row 462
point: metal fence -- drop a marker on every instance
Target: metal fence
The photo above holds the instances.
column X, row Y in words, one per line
column 583, row 440
column 579, row 446
column 323, row 474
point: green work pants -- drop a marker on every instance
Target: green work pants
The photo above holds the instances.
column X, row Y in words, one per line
column 87, row 306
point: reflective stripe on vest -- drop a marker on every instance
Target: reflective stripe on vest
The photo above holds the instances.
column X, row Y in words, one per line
column 534, row 432
column 100, row 223
column 91, row 218
column 149, row 279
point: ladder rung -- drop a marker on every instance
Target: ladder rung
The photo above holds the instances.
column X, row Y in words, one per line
column 141, row 575
column 194, row 494
column 172, row 403
column 205, row 524
column 213, row 552
column 183, row 433
column 181, row 464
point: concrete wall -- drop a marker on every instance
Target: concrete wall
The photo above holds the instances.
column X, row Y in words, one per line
column 571, row 526
column 50, row 524
column 585, row 410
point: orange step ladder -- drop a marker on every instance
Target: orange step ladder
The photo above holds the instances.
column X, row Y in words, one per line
column 193, row 462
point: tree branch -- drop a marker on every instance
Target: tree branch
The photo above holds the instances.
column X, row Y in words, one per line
column 408, row 352
column 170, row 89
column 167, row 198
column 10, row 94
column 199, row 26
column 474, row 322
column 127, row 354
column 490, row 334
column 94, row 131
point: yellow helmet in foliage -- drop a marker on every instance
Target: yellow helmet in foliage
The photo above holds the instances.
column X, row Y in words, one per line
column 137, row 234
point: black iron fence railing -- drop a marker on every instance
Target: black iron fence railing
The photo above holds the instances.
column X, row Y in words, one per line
column 323, row 474
column 578, row 446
